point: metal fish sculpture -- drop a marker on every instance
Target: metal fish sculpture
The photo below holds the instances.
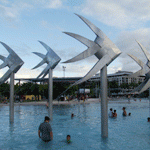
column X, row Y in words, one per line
column 51, row 58
column 102, row 47
column 13, row 61
column 145, row 70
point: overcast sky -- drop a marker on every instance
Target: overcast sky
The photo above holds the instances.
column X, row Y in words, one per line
column 24, row 22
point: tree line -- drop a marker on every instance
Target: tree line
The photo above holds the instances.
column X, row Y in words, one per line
column 30, row 88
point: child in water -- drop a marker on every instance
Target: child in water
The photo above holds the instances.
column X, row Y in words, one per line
column 68, row 139
column 72, row 115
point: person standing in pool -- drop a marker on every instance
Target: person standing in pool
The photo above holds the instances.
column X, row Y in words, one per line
column 46, row 130
column 110, row 114
column 115, row 114
column 124, row 112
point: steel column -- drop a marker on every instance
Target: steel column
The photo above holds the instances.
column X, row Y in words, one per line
column 50, row 95
column 11, row 99
column 104, row 103
column 149, row 102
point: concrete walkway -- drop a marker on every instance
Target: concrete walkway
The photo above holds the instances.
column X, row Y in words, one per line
column 92, row 100
column 72, row 102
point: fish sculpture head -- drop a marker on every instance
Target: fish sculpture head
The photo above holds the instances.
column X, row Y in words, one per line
column 51, row 58
column 145, row 70
column 13, row 61
column 102, row 47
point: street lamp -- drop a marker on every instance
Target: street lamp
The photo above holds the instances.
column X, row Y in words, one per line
column 64, row 70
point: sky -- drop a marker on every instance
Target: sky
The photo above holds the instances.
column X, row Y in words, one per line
column 25, row 22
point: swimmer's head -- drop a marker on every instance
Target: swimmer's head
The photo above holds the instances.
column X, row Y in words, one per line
column 110, row 109
column 148, row 119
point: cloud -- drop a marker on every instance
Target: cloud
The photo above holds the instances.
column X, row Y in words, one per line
column 13, row 10
column 47, row 4
column 54, row 4
column 49, row 26
column 113, row 69
column 22, row 72
column 4, row 1
column 77, row 69
column 122, row 14
column 8, row 12
column 27, row 73
column 3, row 71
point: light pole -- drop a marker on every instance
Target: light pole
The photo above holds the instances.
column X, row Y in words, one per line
column 64, row 70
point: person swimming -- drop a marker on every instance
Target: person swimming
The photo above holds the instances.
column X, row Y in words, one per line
column 129, row 114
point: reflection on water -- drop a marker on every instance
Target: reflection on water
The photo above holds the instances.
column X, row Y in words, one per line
column 84, row 128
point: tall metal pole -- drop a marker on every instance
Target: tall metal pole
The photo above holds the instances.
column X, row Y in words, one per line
column 149, row 102
column 19, row 92
column 11, row 99
column 64, row 70
column 50, row 96
column 104, row 103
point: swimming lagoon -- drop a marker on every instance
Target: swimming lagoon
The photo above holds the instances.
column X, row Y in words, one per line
column 131, row 132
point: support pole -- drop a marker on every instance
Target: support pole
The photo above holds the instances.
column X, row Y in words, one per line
column 50, row 96
column 11, row 99
column 104, row 103
column 19, row 92
column 149, row 102
column 95, row 89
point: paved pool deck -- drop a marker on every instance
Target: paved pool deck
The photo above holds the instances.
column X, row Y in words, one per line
column 75, row 101
column 54, row 102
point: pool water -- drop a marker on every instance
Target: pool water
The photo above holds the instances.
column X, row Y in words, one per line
column 125, row 133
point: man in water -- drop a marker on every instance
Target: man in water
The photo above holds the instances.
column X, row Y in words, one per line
column 110, row 114
column 46, row 130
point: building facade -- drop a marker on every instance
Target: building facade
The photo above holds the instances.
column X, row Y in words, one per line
column 123, row 77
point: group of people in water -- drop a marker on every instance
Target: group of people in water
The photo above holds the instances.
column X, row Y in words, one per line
column 113, row 114
column 45, row 131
